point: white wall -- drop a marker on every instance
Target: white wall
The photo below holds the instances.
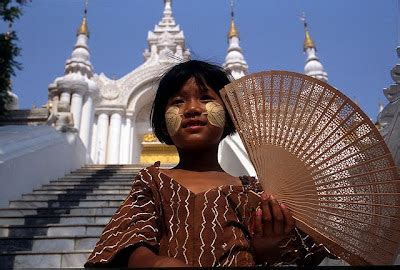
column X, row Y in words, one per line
column 33, row 155
column 233, row 157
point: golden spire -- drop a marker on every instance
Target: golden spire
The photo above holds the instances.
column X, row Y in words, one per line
column 308, row 42
column 233, row 32
column 83, row 28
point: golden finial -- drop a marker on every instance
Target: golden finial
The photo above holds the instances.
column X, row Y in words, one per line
column 308, row 42
column 83, row 28
column 233, row 32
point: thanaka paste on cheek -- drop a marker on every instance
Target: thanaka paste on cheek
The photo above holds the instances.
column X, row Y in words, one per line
column 215, row 114
column 173, row 120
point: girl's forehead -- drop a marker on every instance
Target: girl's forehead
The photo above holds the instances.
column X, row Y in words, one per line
column 192, row 86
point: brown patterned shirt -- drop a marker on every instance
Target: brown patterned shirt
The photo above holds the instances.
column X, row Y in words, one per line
column 205, row 229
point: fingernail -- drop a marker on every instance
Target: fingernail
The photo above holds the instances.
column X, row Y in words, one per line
column 272, row 197
column 259, row 212
column 283, row 205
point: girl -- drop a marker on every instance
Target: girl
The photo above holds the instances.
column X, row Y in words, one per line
column 195, row 214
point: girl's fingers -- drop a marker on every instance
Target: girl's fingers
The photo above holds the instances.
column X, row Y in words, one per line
column 278, row 218
column 266, row 213
column 289, row 220
column 257, row 229
column 267, row 227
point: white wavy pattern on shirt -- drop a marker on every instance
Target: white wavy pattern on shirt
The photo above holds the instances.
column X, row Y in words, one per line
column 123, row 244
column 114, row 234
column 152, row 216
column 226, row 211
column 179, row 220
column 203, row 227
column 186, row 225
column 161, row 187
column 215, row 212
column 171, row 224
column 236, row 211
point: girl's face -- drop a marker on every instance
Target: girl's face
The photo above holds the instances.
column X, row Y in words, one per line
column 195, row 117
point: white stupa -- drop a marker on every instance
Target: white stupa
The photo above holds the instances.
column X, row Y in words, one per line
column 234, row 60
column 313, row 66
column 75, row 89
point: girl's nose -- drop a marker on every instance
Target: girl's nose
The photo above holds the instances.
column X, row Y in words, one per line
column 193, row 109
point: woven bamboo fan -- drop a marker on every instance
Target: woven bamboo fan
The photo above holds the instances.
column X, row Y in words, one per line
column 320, row 154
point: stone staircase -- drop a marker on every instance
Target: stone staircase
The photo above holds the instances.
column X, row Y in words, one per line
column 58, row 224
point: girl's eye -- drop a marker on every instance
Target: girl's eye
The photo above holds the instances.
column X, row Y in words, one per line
column 207, row 98
column 177, row 101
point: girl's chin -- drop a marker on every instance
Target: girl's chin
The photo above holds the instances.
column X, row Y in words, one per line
column 196, row 141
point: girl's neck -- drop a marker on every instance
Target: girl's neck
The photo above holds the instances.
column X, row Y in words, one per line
column 199, row 160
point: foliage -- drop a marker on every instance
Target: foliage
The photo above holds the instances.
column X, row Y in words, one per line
column 10, row 10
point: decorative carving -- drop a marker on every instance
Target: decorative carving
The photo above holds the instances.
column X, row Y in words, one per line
column 110, row 91
column 64, row 120
column 166, row 39
column 150, row 138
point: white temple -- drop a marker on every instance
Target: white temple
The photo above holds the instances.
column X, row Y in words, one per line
column 112, row 116
column 106, row 121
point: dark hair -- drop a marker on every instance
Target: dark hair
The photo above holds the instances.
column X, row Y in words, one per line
column 205, row 75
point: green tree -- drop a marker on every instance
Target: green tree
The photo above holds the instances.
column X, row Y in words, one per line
column 10, row 10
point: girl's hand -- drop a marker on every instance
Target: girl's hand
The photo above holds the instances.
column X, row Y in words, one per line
column 272, row 224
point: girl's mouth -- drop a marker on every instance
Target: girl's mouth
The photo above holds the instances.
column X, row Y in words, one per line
column 193, row 123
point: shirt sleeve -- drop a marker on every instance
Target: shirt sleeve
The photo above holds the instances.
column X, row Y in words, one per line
column 134, row 224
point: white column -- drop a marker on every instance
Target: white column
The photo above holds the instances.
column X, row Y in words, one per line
column 129, row 139
column 114, row 139
column 126, row 141
column 131, row 145
column 93, row 147
column 65, row 97
column 123, row 141
column 54, row 101
column 76, row 108
column 85, row 130
column 102, row 134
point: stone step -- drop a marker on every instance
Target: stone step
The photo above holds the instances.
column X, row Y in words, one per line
column 63, row 203
column 100, row 186
column 48, row 243
column 97, row 177
column 51, row 230
column 100, row 176
column 92, row 180
column 55, row 219
column 78, row 182
column 10, row 212
column 113, row 166
column 118, row 170
column 104, row 172
column 74, row 196
column 82, row 191
column 29, row 260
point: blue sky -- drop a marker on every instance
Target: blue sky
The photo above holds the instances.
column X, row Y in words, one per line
column 355, row 39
